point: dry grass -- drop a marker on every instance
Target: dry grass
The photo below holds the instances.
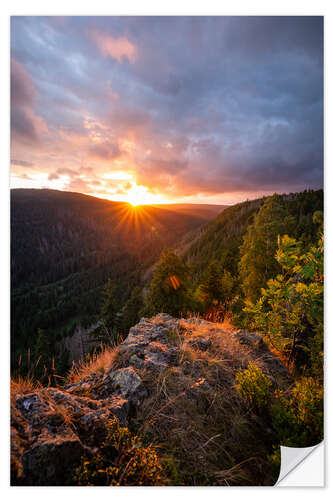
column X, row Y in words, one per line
column 98, row 362
column 197, row 418
column 23, row 385
column 59, row 413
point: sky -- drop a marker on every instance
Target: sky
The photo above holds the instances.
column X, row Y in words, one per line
column 167, row 109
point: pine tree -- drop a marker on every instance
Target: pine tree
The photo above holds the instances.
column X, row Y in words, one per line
column 290, row 309
column 130, row 313
column 42, row 346
column 257, row 263
column 211, row 286
column 169, row 289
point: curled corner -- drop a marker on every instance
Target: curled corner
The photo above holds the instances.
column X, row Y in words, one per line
column 292, row 457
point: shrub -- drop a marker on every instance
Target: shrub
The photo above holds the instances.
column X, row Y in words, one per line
column 290, row 310
column 122, row 461
column 298, row 419
column 254, row 386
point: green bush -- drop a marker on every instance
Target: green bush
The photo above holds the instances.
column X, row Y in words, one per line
column 290, row 310
column 122, row 461
column 298, row 417
column 254, row 386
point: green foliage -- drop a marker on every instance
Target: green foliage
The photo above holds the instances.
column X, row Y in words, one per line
column 257, row 254
column 123, row 460
column 290, row 310
column 217, row 286
column 254, row 386
column 60, row 265
column 41, row 365
column 221, row 239
column 275, row 460
column 298, row 417
column 42, row 346
column 228, row 283
column 210, row 286
column 169, row 289
column 109, row 304
column 131, row 310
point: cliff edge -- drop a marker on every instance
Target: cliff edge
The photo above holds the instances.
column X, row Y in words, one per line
column 172, row 381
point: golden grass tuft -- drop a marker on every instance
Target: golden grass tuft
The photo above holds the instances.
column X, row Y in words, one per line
column 23, row 385
column 97, row 362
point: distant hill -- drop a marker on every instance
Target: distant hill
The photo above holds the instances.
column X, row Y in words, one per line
column 54, row 233
column 204, row 211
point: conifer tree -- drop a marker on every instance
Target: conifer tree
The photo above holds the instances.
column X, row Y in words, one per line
column 290, row 309
column 257, row 263
column 131, row 310
column 211, row 286
column 169, row 289
column 42, row 346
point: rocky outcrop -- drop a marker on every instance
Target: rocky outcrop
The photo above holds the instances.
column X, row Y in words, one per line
column 53, row 427
column 149, row 343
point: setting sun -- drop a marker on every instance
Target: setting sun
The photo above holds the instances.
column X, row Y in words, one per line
column 139, row 195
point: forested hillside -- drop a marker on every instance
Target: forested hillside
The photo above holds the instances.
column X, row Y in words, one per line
column 222, row 238
column 261, row 264
column 56, row 233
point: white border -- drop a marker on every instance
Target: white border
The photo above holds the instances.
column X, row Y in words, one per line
column 144, row 7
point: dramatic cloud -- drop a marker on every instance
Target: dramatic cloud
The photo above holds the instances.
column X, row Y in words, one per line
column 194, row 108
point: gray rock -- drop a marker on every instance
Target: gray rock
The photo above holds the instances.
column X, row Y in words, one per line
column 251, row 339
column 127, row 383
column 155, row 361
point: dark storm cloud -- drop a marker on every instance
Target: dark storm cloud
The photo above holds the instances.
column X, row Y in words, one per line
column 209, row 104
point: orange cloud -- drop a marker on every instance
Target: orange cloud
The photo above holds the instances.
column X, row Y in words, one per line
column 117, row 48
